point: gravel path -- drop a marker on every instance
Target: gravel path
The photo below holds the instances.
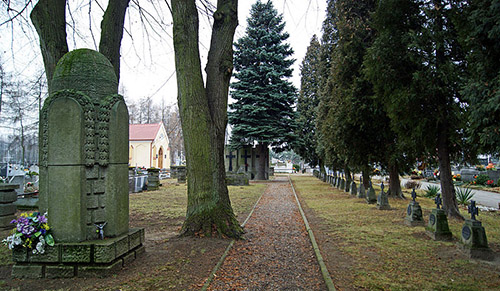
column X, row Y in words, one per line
column 277, row 253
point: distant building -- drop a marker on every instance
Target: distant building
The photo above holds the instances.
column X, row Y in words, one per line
column 148, row 146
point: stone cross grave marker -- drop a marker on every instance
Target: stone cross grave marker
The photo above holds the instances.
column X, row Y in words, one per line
column 474, row 242
column 383, row 200
column 414, row 212
column 473, row 210
column 246, row 156
column 438, row 228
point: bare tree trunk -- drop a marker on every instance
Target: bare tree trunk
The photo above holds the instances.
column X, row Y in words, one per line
column 263, row 153
column 450, row 204
column 112, row 32
column 49, row 19
column 203, row 115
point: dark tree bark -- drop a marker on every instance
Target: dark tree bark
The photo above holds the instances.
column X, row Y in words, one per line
column 112, row 32
column 450, row 204
column 263, row 152
column 394, row 182
column 49, row 19
column 322, row 170
column 348, row 179
column 366, row 177
column 203, row 114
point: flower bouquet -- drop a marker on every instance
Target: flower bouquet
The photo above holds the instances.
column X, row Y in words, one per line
column 32, row 232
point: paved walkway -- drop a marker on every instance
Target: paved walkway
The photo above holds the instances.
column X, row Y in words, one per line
column 489, row 199
column 277, row 253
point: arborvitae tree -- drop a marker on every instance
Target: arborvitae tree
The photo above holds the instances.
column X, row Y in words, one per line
column 415, row 65
column 307, row 103
column 263, row 111
column 328, row 42
column 482, row 90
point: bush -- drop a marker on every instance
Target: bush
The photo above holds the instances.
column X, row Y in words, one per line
column 482, row 179
column 412, row 184
column 432, row 191
column 463, row 195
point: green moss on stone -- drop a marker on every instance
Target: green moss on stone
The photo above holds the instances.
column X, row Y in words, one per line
column 87, row 71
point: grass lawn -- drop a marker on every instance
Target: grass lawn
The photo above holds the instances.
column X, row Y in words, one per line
column 381, row 252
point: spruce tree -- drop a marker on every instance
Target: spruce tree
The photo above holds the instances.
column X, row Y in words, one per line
column 263, row 112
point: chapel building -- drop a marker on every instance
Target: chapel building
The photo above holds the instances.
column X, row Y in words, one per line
column 148, row 146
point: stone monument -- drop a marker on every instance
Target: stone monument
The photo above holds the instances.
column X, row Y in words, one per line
column 437, row 228
column 474, row 242
column 342, row 184
column 414, row 212
column 371, row 198
column 382, row 200
column 83, row 150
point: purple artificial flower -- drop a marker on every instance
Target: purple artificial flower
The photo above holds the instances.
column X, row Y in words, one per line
column 42, row 219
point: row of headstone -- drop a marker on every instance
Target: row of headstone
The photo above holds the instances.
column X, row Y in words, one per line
column 473, row 243
column 340, row 183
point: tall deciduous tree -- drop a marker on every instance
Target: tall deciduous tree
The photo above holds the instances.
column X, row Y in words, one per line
column 203, row 111
column 307, row 104
column 49, row 19
column 263, row 111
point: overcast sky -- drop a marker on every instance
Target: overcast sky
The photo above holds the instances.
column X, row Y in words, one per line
column 147, row 64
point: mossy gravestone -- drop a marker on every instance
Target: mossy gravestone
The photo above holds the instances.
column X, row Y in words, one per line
column 474, row 242
column 83, row 172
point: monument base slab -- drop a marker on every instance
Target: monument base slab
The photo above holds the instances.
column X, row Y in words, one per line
column 97, row 258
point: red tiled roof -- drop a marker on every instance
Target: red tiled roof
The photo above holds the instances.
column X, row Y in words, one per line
column 143, row 131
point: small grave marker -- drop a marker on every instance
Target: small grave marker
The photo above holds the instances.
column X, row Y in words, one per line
column 438, row 228
column 371, row 198
column 383, row 200
column 474, row 242
column 414, row 212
